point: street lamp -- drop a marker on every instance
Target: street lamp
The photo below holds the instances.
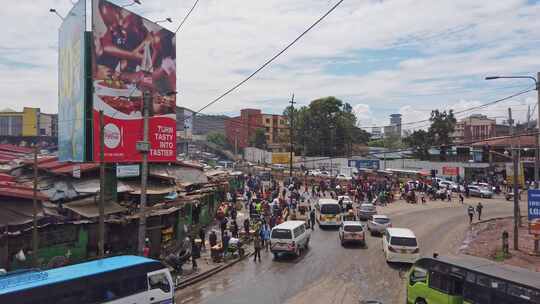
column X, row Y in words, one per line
column 53, row 11
column 537, row 139
column 164, row 20
column 132, row 3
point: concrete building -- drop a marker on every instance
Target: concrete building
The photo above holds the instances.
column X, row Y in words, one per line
column 30, row 122
column 239, row 130
column 394, row 129
column 376, row 133
column 477, row 127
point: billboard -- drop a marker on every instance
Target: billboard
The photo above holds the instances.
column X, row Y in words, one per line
column 132, row 55
column 373, row 164
column 281, row 158
column 533, row 203
column 71, row 85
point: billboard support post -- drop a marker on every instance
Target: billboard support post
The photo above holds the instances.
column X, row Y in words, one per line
column 35, row 238
column 144, row 148
column 101, row 226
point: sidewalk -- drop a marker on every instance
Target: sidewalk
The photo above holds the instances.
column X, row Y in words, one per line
column 206, row 267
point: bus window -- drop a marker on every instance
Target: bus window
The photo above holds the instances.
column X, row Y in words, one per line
column 438, row 281
column 456, row 285
column 418, row 275
column 479, row 291
column 159, row 281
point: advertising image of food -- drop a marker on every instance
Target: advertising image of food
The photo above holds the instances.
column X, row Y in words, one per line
column 133, row 57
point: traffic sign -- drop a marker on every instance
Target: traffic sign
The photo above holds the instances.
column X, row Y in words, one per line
column 534, row 204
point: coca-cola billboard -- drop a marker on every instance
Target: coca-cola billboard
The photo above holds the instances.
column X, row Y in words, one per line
column 132, row 56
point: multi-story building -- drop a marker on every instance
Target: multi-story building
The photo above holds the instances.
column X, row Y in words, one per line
column 475, row 127
column 239, row 130
column 376, row 133
column 394, row 129
column 28, row 123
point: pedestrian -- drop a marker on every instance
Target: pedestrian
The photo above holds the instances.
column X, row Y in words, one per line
column 223, row 224
column 234, row 229
column 423, row 199
column 257, row 246
column 146, row 248
column 233, row 213
column 195, row 254
column 470, row 211
column 265, row 235
column 312, row 219
column 461, row 198
column 225, row 238
column 246, row 226
column 202, row 236
column 479, row 210
column 212, row 238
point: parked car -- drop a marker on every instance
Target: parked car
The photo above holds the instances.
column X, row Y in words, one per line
column 451, row 185
column 485, row 185
column 378, row 224
column 400, row 245
column 352, row 231
column 366, row 211
column 278, row 167
column 482, row 192
column 324, row 174
column 290, row 237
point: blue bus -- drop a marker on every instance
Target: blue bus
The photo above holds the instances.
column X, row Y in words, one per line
column 115, row 280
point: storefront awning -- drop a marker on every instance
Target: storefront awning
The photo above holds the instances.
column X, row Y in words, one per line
column 89, row 208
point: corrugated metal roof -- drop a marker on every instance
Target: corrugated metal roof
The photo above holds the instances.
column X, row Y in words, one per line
column 13, row 148
column 89, row 208
column 10, row 189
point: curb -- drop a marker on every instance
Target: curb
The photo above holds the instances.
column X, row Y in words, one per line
column 210, row 272
column 495, row 219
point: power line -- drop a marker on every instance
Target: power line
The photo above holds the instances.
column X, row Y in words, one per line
column 271, row 59
column 187, row 16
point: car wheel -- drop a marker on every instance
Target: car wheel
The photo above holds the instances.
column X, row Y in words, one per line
column 275, row 255
column 420, row 301
column 307, row 244
column 297, row 251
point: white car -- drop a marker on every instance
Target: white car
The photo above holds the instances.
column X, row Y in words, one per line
column 278, row 167
column 290, row 237
column 450, row 185
column 352, row 231
column 400, row 245
column 378, row 224
column 324, row 174
column 343, row 177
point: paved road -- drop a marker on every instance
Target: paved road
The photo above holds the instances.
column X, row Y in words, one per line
column 328, row 273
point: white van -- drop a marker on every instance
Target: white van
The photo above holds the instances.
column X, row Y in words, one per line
column 328, row 212
column 289, row 237
column 400, row 245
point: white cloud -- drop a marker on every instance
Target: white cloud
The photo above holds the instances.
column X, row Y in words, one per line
column 457, row 43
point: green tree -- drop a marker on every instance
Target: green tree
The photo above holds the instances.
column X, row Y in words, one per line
column 389, row 142
column 442, row 126
column 420, row 142
column 326, row 127
column 218, row 139
column 258, row 139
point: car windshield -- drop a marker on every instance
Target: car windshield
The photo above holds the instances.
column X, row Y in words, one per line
column 281, row 234
column 367, row 207
column 352, row 228
column 403, row 241
column 330, row 209
column 381, row 220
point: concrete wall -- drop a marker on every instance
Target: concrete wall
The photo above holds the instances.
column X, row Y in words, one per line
column 257, row 156
column 414, row 164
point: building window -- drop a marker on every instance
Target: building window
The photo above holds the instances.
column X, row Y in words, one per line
column 268, row 120
column 281, row 121
column 267, row 129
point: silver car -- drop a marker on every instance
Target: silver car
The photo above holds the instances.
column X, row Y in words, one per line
column 366, row 211
column 480, row 191
column 378, row 224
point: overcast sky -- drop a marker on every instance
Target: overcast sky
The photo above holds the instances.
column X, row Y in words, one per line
column 383, row 57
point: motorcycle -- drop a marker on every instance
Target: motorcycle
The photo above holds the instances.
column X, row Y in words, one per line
column 178, row 258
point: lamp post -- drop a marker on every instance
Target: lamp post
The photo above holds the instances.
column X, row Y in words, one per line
column 164, row 20
column 53, row 11
column 132, row 3
column 537, row 138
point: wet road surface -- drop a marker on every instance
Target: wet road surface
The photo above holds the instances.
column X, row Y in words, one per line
column 329, row 273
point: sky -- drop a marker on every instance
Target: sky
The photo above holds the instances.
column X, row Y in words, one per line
column 382, row 57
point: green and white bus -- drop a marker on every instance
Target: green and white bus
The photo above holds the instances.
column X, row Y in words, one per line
column 470, row 280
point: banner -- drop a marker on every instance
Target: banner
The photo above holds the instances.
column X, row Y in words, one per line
column 450, row 171
column 132, row 55
column 533, row 204
column 71, row 85
column 372, row 164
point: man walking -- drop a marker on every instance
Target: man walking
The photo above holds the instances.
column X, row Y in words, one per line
column 461, row 198
column 257, row 246
column 470, row 211
column 312, row 218
column 479, row 210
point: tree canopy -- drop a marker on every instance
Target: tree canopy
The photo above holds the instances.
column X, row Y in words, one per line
column 258, row 139
column 327, row 127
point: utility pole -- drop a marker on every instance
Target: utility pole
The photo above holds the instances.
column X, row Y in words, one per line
column 537, row 150
column 35, row 239
column 516, row 168
column 291, row 135
column 236, row 143
column 101, row 225
column 144, row 147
